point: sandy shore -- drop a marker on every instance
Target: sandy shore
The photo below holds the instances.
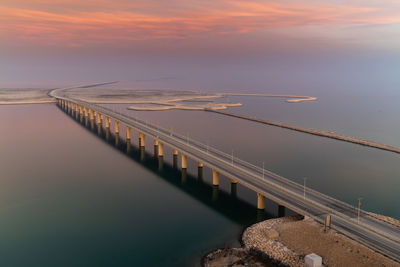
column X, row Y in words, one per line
column 16, row 96
column 287, row 240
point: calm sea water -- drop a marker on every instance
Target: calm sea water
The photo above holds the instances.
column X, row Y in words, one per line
column 339, row 169
column 71, row 198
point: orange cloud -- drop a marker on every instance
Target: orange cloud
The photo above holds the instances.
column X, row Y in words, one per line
column 85, row 22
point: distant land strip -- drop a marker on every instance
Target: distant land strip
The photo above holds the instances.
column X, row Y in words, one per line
column 291, row 98
column 312, row 131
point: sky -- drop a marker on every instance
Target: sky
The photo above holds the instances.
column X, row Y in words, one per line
column 60, row 41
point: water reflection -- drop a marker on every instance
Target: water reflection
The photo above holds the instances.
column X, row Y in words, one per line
column 200, row 173
column 160, row 163
column 183, row 176
column 175, row 162
column 234, row 190
column 227, row 204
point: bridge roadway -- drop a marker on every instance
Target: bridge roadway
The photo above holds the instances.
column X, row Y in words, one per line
column 370, row 231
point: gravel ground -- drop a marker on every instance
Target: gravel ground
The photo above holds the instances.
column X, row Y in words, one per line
column 298, row 238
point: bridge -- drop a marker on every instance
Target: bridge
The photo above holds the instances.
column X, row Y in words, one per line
column 374, row 233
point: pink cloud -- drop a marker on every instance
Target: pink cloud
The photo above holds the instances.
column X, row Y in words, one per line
column 85, row 22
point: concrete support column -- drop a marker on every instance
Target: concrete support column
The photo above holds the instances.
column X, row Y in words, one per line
column 184, row 161
column 107, row 122
column 233, row 190
column 155, row 147
column 128, row 133
column 281, row 210
column 215, row 177
column 86, row 111
column 116, row 127
column 80, row 110
column 160, row 149
column 175, row 159
column 260, row 201
column 99, row 118
column 91, row 114
column 141, row 139
column 76, row 108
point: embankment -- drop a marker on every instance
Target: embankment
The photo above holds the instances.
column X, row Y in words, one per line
column 313, row 132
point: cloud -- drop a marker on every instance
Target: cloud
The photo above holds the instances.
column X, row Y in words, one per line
column 79, row 23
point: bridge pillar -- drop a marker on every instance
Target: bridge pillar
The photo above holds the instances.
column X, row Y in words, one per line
column 184, row 176
column 99, row 120
column 99, row 129
column 155, row 148
column 107, row 122
column 281, row 211
column 200, row 170
column 128, row 133
column 160, row 149
column 141, row 139
column 108, row 133
column 85, row 111
column 260, row 201
column 233, row 189
column 80, row 110
column 184, row 161
column 160, row 163
column 116, row 139
column 215, row 177
column 175, row 159
column 200, row 173
column 91, row 114
column 76, row 108
column 215, row 193
column 116, row 127
column 128, row 147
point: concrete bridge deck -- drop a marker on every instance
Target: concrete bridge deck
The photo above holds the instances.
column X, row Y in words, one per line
column 376, row 234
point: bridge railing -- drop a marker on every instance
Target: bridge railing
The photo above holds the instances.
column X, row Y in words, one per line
column 257, row 171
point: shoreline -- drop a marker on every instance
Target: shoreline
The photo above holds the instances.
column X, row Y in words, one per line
column 286, row 241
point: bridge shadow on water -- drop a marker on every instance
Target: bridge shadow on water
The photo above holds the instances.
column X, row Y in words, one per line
column 227, row 204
